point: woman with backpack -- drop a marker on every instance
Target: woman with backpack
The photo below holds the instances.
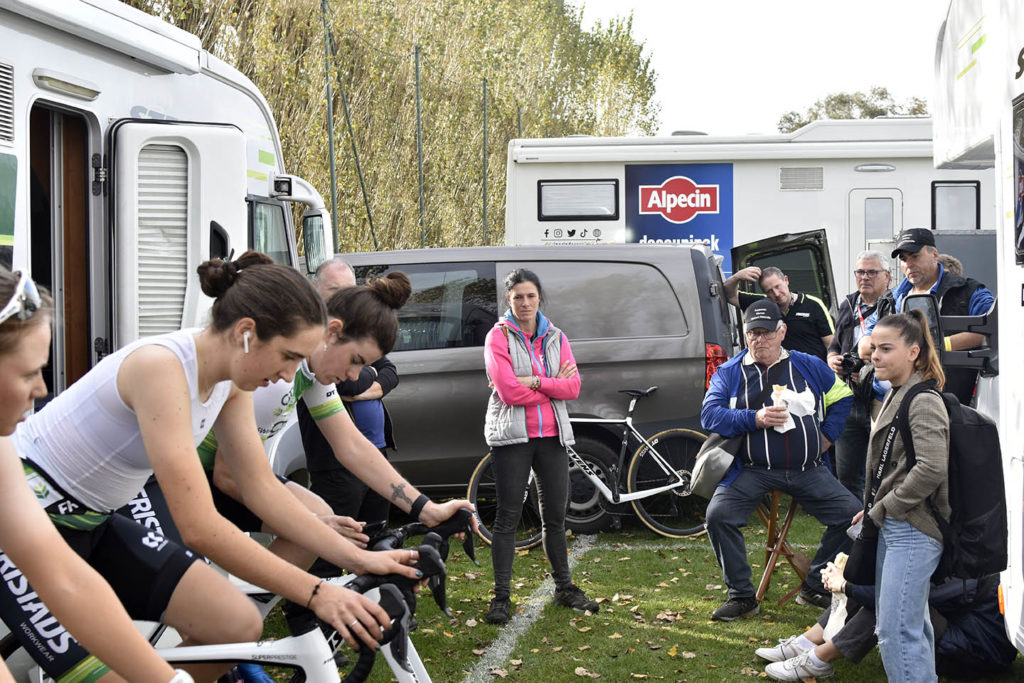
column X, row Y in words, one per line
column 897, row 495
column 532, row 373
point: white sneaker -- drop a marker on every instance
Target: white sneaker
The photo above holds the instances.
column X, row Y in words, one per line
column 799, row 668
column 786, row 649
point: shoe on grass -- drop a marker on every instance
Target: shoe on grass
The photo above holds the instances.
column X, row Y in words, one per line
column 799, row 668
column 736, row 608
column 786, row 649
column 571, row 596
column 809, row 596
column 498, row 612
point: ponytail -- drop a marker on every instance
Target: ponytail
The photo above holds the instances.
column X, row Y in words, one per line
column 912, row 327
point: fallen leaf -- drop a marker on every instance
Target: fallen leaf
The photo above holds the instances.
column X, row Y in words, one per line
column 713, row 587
column 478, row 652
column 687, row 655
column 516, row 662
column 448, row 635
column 557, row 649
column 640, row 676
column 615, row 636
column 471, row 622
column 672, row 651
column 584, row 629
column 500, row 673
column 623, row 559
column 583, row 673
column 583, row 648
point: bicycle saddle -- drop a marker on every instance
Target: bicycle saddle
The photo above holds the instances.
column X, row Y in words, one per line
column 637, row 393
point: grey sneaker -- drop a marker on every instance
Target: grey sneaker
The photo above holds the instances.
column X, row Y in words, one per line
column 786, row 649
column 799, row 668
column 736, row 608
column 498, row 612
column 572, row 596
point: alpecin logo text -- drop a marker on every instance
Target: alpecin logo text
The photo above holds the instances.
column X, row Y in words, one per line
column 678, row 199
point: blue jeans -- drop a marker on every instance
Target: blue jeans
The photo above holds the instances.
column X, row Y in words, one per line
column 816, row 490
column 905, row 562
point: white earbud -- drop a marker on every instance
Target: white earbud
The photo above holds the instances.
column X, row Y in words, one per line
column 245, row 341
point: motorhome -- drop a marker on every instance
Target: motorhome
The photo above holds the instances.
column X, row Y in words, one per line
column 980, row 125
column 860, row 182
column 128, row 155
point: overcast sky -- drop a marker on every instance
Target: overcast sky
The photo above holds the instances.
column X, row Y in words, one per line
column 737, row 66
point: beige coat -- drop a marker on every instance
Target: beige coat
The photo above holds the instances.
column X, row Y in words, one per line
column 904, row 495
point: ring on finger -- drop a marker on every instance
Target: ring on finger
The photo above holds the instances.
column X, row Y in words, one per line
column 411, row 554
column 354, row 622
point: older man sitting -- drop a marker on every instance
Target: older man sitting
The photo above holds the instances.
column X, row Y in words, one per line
column 774, row 457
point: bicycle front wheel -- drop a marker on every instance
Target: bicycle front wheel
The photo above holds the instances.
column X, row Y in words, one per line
column 483, row 494
column 673, row 513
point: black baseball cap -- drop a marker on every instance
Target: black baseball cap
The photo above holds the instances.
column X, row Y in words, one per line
column 912, row 239
column 764, row 314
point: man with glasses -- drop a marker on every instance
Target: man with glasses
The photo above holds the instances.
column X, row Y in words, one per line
column 769, row 459
column 808, row 322
column 872, row 273
column 957, row 295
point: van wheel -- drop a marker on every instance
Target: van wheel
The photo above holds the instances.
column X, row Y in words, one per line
column 586, row 514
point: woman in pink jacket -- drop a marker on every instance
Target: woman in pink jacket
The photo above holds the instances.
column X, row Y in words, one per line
column 533, row 373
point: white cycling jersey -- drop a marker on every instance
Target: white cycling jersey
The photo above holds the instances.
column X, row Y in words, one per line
column 88, row 441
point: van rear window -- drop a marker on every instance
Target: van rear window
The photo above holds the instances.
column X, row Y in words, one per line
column 603, row 300
column 452, row 304
column 574, row 200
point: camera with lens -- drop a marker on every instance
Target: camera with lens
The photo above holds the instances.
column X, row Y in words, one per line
column 850, row 364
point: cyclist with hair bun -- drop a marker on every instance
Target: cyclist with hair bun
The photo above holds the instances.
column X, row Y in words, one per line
column 142, row 411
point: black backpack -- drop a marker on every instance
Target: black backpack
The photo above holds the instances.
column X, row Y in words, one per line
column 974, row 538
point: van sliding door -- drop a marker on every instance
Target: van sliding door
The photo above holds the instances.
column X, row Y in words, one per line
column 170, row 181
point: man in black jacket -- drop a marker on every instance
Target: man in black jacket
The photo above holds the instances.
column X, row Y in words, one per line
column 872, row 273
column 956, row 295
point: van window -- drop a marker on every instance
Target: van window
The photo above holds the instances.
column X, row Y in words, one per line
column 955, row 205
column 452, row 305
column 268, row 230
column 1018, row 174
column 573, row 200
column 594, row 300
column 878, row 219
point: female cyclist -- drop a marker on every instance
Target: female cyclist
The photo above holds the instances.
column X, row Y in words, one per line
column 32, row 548
column 143, row 410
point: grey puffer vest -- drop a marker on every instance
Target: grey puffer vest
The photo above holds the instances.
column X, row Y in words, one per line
column 506, row 425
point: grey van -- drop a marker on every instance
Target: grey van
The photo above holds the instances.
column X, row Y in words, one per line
column 636, row 315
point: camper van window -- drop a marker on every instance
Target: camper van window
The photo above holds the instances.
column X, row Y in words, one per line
column 569, row 200
column 1018, row 163
column 622, row 300
column 453, row 305
column 878, row 218
column 955, row 205
column 268, row 230
column 8, row 176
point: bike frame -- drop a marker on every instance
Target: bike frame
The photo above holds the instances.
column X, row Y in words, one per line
column 627, row 429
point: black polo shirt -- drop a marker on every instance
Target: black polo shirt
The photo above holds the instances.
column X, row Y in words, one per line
column 807, row 321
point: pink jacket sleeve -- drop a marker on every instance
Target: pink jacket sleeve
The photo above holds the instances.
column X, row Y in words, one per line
column 564, row 389
column 499, row 366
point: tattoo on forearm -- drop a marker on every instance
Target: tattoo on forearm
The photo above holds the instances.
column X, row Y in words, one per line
column 398, row 493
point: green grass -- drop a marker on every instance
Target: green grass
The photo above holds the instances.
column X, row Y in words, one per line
column 656, row 597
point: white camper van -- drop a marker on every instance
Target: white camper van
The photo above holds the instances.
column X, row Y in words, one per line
column 980, row 125
column 128, row 155
column 860, row 182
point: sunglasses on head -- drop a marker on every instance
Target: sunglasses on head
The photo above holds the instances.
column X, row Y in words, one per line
column 24, row 302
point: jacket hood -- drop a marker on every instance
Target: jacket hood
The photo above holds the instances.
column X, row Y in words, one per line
column 543, row 324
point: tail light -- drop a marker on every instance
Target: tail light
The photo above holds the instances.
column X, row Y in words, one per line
column 713, row 357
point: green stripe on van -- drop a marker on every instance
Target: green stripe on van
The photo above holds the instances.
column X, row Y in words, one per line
column 8, row 183
column 266, row 157
column 258, row 175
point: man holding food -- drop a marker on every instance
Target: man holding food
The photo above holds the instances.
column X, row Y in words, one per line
column 785, row 435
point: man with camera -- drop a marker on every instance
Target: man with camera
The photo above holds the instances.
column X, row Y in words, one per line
column 872, row 273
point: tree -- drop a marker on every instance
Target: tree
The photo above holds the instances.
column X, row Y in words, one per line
column 542, row 70
column 855, row 105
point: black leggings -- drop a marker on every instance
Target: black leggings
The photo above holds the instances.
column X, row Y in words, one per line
column 512, row 465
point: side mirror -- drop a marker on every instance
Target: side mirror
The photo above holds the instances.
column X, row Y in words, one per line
column 927, row 304
column 313, row 239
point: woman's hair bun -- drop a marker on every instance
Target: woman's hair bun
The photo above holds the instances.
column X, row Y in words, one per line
column 394, row 289
column 217, row 275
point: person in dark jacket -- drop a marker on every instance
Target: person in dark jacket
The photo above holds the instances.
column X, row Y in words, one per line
column 872, row 273
column 776, row 453
column 957, row 295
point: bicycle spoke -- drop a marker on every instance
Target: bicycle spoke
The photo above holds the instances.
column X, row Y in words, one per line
column 672, row 513
column 482, row 493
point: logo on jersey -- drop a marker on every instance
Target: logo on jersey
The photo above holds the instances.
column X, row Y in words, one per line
column 142, row 511
column 41, row 627
column 154, row 540
column 678, row 199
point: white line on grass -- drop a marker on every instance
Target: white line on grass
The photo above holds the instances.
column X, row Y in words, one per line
column 501, row 648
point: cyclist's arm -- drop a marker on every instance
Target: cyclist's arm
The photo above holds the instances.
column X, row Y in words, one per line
column 80, row 598
column 364, row 460
column 152, row 383
column 262, row 492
